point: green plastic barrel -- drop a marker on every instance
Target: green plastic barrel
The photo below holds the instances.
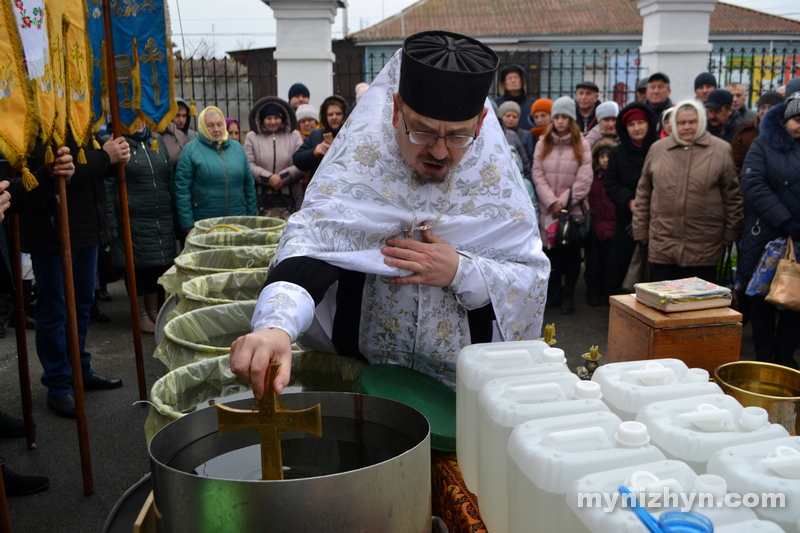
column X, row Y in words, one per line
column 230, row 239
column 190, row 266
column 219, row 289
column 243, row 223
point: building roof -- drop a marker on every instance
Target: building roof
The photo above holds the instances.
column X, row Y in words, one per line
column 513, row 18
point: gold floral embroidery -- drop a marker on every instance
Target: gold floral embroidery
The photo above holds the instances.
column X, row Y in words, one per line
column 490, row 174
column 367, row 154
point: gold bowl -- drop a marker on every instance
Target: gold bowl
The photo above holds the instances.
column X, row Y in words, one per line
column 776, row 388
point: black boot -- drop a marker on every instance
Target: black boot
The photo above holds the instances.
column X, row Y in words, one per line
column 594, row 297
column 554, row 292
column 19, row 485
column 568, row 301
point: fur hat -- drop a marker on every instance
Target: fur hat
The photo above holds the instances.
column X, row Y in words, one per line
column 564, row 106
column 508, row 105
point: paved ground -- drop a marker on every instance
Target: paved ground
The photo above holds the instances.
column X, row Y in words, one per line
column 119, row 453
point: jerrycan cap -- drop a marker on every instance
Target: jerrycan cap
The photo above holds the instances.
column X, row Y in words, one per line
column 697, row 375
column 711, row 484
column 754, row 418
column 553, row 355
column 632, row 434
column 783, row 460
column 586, row 390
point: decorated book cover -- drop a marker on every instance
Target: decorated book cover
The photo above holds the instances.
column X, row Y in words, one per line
column 686, row 294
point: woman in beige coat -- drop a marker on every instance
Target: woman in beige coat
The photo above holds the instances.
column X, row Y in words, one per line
column 269, row 147
column 688, row 201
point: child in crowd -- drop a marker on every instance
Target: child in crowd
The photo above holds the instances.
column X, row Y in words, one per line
column 598, row 256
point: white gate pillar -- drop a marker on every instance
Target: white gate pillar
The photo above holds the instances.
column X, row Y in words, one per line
column 675, row 41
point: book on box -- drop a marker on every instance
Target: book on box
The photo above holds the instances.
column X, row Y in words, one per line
column 686, row 294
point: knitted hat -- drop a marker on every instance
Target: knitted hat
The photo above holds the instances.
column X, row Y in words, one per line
column 271, row 110
column 770, row 98
column 298, row 88
column 792, row 108
column 705, row 78
column 606, row 110
column 792, row 86
column 306, row 111
column 542, row 104
column 719, row 98
column 634, row 114
column 564, row 106
column 508, row 105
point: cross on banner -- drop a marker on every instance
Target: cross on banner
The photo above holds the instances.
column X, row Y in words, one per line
column 151, row 57
column 270, row 419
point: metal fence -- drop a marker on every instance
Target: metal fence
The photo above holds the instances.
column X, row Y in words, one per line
column 234, row 85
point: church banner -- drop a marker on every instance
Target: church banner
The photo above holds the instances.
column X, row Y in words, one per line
column 50, row 89
column 17, row 106
column 142, row 58
column 78, row 72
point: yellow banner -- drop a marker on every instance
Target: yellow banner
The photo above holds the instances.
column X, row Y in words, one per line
column 78, row 71
column 50, row 89
column 17, row 106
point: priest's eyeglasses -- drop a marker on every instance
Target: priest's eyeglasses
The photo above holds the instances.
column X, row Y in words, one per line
column 424, row 138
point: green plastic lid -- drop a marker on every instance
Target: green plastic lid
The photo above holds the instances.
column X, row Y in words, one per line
column 423, row 393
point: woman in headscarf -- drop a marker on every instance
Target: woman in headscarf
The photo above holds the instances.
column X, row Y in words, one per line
column 332, row 113
column 771, row 188
column 688, row 203
column 562, row 168
column 234, row 129
column 636, row 127
column 269, row 149
column 213, row 178
column 149, row 182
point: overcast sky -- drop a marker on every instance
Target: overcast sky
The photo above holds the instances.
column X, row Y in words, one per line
column 226, row 25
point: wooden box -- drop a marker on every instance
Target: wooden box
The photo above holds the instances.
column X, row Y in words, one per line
column 702, row 339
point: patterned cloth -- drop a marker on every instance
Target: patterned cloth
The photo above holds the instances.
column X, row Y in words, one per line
column 765, row 272
column 33, row 34
column 452, row 502
column 363, row 194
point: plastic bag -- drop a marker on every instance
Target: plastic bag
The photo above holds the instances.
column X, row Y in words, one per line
column 765, row 271
column 230, row 239
column 243, row 223
column 219, row 289
column 190, row 266
column 203, row 333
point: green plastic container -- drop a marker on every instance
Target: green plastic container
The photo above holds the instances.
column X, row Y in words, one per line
column 219, row 289
column 230, row 239
column 423, row 393
column 243, row 223
column 190, row 266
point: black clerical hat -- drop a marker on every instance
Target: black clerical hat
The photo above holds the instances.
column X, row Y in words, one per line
column 446, row 76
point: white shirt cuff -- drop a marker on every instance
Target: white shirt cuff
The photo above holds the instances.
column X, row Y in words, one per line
column 285, row 306
column 468, row 286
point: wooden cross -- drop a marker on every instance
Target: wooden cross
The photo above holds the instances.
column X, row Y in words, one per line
column 151, row 57
column 270, row 420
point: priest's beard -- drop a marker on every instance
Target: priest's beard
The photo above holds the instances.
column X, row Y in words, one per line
column 425, row 178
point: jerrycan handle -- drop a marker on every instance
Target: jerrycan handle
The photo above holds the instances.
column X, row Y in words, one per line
column 651, row 374
column 505, row 358
column 648, row 483
column 707, row 417
column 598, row 440
column 784, row 460
column 541, row 392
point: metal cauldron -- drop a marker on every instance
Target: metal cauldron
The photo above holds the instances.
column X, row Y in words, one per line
column 776, row 388
column 391, row 495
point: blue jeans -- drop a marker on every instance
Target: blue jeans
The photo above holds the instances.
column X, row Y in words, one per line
column 51, row 318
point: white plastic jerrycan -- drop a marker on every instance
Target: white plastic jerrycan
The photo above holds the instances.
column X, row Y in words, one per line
column 766, row 473
column 750, row 526
column 693, row 429
column 506, row 403
column 630, row 385
column 546, row 456
column 480, row 363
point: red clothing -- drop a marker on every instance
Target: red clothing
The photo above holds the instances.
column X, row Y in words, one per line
column 603, row 209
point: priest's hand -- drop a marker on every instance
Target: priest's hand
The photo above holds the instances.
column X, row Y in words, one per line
column 433, row 262
column 252, row 354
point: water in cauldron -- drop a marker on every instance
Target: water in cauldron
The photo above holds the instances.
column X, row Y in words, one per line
column 344, row 446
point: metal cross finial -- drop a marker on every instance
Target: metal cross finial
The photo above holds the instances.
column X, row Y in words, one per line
column 270, row 419
column 153, row 55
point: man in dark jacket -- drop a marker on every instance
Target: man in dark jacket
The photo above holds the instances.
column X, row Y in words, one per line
column 88, row 228
column 722, row 118
column 332, row 113
column 587, row 98
column 658, row 92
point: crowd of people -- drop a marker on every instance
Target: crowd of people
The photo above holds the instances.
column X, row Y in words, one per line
column 679, row 181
